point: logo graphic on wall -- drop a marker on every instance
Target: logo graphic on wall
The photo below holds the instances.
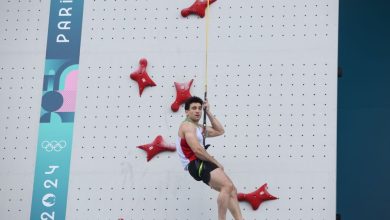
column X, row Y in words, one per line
column 49, row 200
column 58, row 107
column 55, row 146
column 59, row 91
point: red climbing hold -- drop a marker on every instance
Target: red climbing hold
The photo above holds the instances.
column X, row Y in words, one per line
column 257, row 197
column 157, row 146
column 182, row 94
column 198, row 8
column 142, row 77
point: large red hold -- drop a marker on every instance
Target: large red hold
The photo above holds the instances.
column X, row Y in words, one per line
column 257, row 197
column 141, row 76
column 157, row 146
column 198, row 8
column 182, row 94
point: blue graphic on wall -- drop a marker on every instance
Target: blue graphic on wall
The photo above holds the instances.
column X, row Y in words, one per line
column 60, row 87
column 58, row 107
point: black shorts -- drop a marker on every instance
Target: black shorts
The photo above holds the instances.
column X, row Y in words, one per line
column 200, row 170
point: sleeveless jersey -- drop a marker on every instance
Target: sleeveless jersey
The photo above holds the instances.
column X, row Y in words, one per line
column 184, row 151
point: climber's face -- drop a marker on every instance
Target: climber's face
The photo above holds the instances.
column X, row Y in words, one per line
column 194, row 113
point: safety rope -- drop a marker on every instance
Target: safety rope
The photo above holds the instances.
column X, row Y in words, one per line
column 206, row 73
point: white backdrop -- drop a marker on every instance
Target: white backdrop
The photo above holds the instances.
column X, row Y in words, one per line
column 272, row 84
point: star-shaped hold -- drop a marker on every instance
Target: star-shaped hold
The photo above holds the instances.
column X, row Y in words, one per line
column 257, row 197
column 198, row 8
column 142, row 77
column 157, row 146
column 182, row 94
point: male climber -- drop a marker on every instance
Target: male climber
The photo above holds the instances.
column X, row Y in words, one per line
column 200, row 164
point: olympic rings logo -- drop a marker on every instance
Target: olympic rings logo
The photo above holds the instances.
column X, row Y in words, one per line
column 56, row 146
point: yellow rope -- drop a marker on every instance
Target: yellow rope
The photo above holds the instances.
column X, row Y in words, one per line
column 207, row 44
column 206, row 73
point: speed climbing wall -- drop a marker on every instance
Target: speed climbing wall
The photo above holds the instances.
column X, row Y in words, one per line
column 271, row 82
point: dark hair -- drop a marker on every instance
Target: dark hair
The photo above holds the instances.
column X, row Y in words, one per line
column 193, row 99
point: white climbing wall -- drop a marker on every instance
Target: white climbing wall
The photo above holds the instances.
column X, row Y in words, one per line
column 272, row 83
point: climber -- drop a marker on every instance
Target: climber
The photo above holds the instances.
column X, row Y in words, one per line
column 200, row 164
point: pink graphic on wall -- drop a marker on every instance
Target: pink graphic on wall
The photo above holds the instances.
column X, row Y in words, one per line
column 69, row 92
